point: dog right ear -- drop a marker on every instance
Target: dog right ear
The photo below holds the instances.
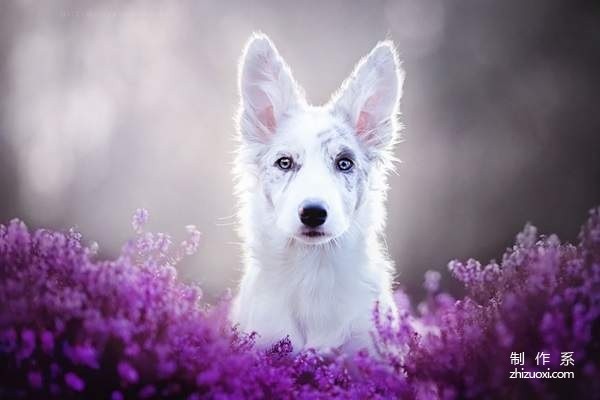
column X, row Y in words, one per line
column 267, row 89
column 370, row 98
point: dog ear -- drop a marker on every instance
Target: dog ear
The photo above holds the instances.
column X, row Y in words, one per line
column 267, row 89
column 370, row 98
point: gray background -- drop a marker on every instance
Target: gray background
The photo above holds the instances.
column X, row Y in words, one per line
column 107, row 106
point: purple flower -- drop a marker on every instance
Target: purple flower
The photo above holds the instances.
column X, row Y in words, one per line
column 190, row 245
column 47, row 341
column 116, row 395
column 140, row 218
column 35, row 379
column 432, row 281
column 127, row 372
column 129, row 328
column 147, row 391
column 74, row 382
column 27, row 343
column 84, row 354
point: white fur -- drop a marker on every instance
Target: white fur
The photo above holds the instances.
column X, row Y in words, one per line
column 320, row 291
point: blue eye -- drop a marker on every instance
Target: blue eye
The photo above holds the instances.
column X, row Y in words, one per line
column 344, row 164
column 284, row 163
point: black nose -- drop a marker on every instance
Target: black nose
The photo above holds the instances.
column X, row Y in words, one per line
column 312, row 214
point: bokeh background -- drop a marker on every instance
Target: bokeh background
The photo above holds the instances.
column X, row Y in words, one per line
column 110, row 106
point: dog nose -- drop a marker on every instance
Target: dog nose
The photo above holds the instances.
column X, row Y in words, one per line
column 312, row 214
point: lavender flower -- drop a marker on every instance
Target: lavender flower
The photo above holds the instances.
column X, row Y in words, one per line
column 432, row 281
column 74, row 382
column 71, row 326
column 190, row 245
column 140, row 218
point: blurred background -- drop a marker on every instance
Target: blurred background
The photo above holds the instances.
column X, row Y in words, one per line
column 110, row 106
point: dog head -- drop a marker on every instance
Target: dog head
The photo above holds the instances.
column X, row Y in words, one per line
column 313, row 166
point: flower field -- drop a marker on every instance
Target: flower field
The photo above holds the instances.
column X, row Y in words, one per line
column 72, row 326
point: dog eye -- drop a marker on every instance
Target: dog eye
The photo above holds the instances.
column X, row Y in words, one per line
column 284, row 163
column 344, row 164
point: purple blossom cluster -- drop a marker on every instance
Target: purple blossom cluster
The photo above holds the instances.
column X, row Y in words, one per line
column 75, row 327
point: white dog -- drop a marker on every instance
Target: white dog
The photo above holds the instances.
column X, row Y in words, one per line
column 312, row 185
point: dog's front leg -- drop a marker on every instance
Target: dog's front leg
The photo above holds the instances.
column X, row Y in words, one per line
column 273, row 324
column 269, row 316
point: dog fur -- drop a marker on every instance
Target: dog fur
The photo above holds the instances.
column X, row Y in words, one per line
column 317, row 285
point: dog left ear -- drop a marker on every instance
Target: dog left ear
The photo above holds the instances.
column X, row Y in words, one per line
column 370, row 98
column 267, row 89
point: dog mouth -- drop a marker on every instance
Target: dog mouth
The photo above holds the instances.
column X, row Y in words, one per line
column 313, row 234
